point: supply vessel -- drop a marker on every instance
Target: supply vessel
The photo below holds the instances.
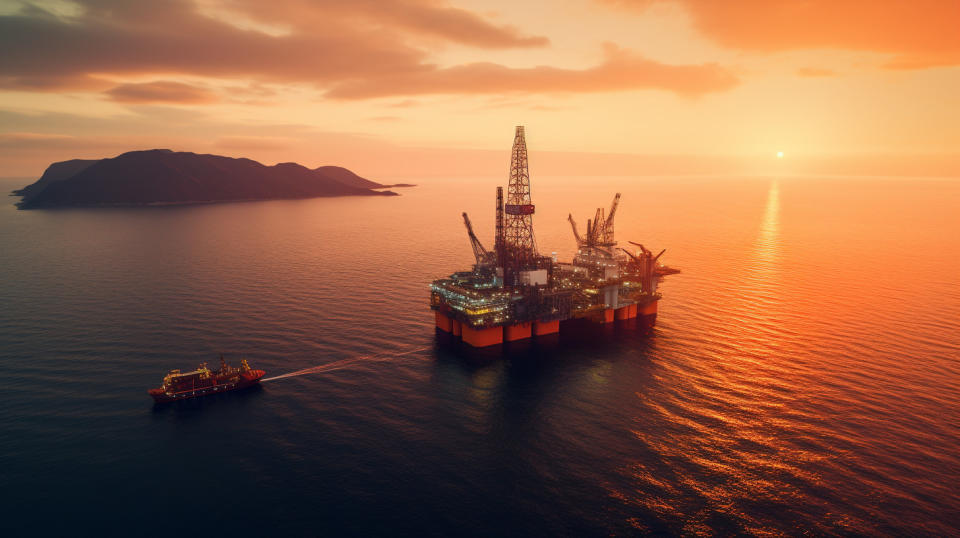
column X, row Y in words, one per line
column 179, row 385
column 514, row 293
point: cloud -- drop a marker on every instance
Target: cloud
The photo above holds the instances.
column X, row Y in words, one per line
column 532, row 102
column 170, row 36
column 161, row 92
column 919, row 33
column 548, row 108
column 815, row 72
column 21, row 140
column 620, row 70
column 329, row 39
column 253, row 143
column 350, row 50
column 418, row 17
column 406, row 103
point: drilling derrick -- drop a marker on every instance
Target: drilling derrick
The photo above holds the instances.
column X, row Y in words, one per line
column 520, row 251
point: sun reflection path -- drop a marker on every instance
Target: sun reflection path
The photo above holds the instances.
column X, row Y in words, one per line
column 767, row 252
column 756, row 312
column 343, row 363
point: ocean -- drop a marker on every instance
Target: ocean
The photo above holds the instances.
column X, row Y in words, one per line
column 803, row 377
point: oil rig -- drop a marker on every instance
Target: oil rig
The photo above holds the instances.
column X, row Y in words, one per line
column 514, row 293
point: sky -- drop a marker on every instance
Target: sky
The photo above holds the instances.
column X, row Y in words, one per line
column 396, row 88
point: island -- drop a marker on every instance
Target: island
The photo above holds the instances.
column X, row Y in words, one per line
column 165, row 177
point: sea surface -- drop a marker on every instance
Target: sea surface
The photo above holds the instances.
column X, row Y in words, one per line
column 803, row 377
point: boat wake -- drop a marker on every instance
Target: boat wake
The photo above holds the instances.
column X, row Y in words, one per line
column 343, row 363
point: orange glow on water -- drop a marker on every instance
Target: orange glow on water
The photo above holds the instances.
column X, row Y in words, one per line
column 767, row 246
column 806, row 348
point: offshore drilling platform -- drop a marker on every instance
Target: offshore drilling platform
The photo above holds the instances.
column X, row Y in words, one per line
column 513, row 293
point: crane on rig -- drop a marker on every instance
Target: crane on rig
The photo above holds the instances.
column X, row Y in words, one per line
column 599, row 230
column 647, row 253
column 608, row 223
column 484, row 257
column 646, row 266
column 576, row 233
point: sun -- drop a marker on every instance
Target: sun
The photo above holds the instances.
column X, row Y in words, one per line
column 779, row 154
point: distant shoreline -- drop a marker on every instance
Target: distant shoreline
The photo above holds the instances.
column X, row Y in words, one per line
column 120, row 205
column 209, row 202
column 162, row 177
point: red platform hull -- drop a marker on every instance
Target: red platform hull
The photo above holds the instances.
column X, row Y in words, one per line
column 246, row 379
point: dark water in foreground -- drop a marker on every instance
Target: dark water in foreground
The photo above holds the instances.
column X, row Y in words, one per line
column 804, row 376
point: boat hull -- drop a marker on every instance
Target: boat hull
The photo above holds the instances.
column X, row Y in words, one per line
column 246, row 379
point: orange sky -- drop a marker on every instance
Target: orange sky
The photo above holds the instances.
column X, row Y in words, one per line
column 408, row 87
